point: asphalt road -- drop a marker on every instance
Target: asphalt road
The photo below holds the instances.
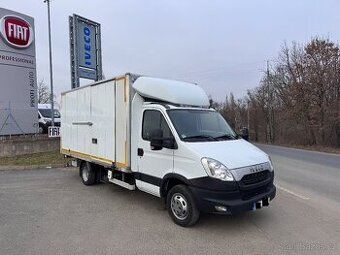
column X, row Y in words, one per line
column 49, row 211
column 315, row 173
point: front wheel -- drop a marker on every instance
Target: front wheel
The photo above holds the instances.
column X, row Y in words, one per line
column 42, row 129
column 181, row 206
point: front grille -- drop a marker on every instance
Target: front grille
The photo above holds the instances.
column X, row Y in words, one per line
column 254, row 178
column 254, row 192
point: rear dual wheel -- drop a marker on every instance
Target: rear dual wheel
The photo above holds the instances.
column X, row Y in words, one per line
column 87, row 173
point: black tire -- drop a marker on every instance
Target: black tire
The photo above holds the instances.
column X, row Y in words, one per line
column 181, row 206
column 87, row 173
column 43, row 129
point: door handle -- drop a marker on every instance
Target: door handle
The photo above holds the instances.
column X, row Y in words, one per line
column 140, row 152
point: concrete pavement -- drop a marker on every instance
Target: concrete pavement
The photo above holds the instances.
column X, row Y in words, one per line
column 49, row 211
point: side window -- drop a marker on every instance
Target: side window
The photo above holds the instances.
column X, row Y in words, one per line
column 154, row 120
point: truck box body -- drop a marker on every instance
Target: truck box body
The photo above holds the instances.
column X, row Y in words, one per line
column 96, row 122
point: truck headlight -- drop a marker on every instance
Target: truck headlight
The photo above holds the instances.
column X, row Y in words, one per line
column 216, row 170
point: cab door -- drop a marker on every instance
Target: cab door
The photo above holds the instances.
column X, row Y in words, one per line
column 153, row 164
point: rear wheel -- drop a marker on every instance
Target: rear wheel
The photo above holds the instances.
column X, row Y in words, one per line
column 181, row 206
column 88, row 173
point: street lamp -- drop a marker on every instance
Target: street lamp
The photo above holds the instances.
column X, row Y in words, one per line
column 50, row 50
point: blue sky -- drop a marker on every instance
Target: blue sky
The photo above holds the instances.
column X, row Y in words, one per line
column 221, row 45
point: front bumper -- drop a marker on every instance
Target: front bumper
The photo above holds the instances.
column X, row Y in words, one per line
column 234, row 201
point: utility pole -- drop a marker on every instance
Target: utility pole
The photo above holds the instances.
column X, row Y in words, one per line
column 50, row 51
column 268, row 138
column 248, row 115
column 270, row 106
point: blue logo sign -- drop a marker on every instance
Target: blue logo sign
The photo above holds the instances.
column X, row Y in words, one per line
column 87, row 46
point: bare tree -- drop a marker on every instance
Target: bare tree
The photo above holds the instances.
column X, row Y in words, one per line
column 298, row 96
column 43, row 93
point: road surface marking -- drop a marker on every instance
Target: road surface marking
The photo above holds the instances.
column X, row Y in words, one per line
column 292, row 193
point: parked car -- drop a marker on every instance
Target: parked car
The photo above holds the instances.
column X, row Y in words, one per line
column 45, row 117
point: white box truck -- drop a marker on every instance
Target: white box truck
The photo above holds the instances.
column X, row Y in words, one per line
column 161, row 137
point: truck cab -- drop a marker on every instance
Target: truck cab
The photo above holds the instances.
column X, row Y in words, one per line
column 188, row 154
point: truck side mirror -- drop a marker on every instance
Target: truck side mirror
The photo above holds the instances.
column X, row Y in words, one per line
column 245, row 133
column 245, row 137
column 156, row 139
column 170, row 143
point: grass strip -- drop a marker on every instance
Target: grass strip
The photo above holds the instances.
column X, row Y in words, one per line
column 41, row 158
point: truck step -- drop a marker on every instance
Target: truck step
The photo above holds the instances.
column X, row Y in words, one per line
column 123, row 184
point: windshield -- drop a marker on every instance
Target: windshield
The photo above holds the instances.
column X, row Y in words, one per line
column 46, row 113
column 201, row 125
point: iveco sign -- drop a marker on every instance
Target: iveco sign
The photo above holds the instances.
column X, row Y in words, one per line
column 85, row 49
column 16, row 31
column 18, row 94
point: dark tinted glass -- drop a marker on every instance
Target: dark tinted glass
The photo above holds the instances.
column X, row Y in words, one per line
column 154, row 120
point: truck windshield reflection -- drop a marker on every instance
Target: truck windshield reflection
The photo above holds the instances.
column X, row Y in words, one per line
column 200, row 125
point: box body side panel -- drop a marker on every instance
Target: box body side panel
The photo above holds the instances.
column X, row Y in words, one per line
column 88, row 122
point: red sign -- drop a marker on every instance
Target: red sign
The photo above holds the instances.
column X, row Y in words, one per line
column 16, row 31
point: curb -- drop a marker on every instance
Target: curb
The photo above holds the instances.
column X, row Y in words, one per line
column 9, row 168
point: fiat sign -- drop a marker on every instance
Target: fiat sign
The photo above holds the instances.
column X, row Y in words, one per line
column 18, row 96
column 16, row 31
